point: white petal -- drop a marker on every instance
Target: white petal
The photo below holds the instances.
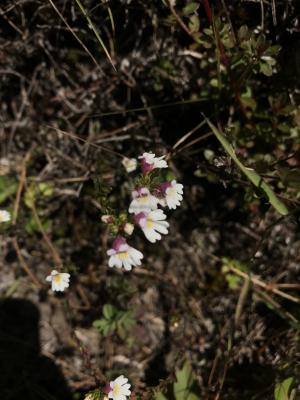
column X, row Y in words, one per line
column 162, row 227
column 114, row 261
column 126, row 392
column 179, row 188
column 120, row 380
column 135, row 254
column 157, row 215
column 118, row 262
column 160, row 164
column 127, row 265
column 152, row 235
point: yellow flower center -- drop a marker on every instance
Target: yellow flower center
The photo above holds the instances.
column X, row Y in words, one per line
column 172, row 192
column 123, row 255
column 144, row 200
column 57, row 278
column 149, row 224
column 116, row 390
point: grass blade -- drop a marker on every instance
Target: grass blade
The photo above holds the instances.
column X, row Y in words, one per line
column 93, row 27
column 74, row 34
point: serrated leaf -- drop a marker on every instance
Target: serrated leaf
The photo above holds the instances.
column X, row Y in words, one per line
column 282, row 389
column 253, row 177
column 185, row 384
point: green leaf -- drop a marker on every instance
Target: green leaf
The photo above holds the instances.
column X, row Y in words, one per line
column 266, row 69
column 160, row 396
column 109, row 311
column 31, row 225
column 234, row 282
column 253, row 177
column 190, row 9
column 282, row 389
column 194, row 23
column 45, row 189
column 185, row 385
column 243, row 33
column 35, row 191
column 8, row 187
column 114, row 320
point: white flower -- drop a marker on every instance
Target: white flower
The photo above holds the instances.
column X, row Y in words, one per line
column 149, row 162
column 172, row 192
column 153, row 224
column 121, row 254
column 128, row 228
column 4, row 216
column 143, row 201
column 59, row 280
column 129, row 164
column 119, row 389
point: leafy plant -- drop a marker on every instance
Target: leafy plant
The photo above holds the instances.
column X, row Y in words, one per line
column 36, row 191
column 232, row 280
column 185, row 387
column 115, row 320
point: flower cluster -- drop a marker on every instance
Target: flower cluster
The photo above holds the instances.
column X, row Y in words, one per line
column 151, row 192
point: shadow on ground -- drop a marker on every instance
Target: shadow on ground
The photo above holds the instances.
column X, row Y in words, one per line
column 24, row 372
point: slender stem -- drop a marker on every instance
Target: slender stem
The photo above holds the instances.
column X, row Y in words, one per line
column 56, row 256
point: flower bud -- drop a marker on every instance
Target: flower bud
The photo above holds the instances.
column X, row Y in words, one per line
column 107, row 219
column 129, row 164
column 128, row 228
